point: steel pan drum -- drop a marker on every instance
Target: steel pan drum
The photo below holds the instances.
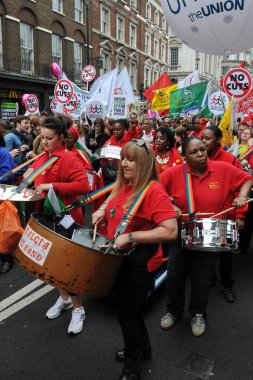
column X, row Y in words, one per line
column 213, row 235
column 67, row 258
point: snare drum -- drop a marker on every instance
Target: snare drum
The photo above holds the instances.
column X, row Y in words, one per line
column 211, row 235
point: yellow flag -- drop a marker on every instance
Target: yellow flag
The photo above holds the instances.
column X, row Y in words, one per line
column 161, row 100
column 226, row 126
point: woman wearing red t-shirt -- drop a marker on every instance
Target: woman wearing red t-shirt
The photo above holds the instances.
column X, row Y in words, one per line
column 166, row 154
column 154, row 223
column 68, row 179
column 212, row 184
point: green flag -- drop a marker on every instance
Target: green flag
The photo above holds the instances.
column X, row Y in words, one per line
column 53, row 204
column 188, row 99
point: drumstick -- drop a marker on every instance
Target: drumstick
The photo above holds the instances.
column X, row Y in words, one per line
column 200, row 213
column 229, row 209
column 94, row 233
column 103, row 246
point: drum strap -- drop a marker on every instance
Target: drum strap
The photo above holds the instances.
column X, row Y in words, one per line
column 247, row 153
column 36, row 173
column 189, row 192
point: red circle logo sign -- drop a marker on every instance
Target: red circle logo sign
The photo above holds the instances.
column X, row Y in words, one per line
column 237, row 83
column 88, row 73
column 32, row 103
column 72, row 104
column 53, row 105
column 63, row 91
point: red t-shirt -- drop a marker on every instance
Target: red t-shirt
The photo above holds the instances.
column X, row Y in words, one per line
column 67, row 176
column 82, row 155
column 173, row 157
column 211, row 191
column 155, row 208
column 128, row 136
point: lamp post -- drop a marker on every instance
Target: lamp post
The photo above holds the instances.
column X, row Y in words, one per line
column 87, row 11
column 197, row 59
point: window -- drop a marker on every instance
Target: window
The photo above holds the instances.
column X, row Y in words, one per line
column 57, row 49
column 106, row 58
column 132, row 36
column 133, row 73
column 148, row 44
column 27, row 50
column 156, row 75
column 174, row 57
column 148, row 11
column 156, row 19
column 120, row 64
column 120, row 28
column 133, row 3
column 156, row 49
column 163, row 24
column 147, row 76
column 79, row 11
column 163, row 52
column 105, row 21
column 57, row 6
column 78, row 60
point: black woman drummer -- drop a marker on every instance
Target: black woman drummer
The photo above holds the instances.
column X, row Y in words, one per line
column 212, row 184
column 153, row 223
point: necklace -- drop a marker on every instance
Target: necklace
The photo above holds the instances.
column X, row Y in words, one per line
column 162, row 160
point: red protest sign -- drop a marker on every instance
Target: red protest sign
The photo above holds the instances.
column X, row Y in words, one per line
column 72, row 104
column 237, row 83
column 63, row 91
column 246, row 105
column 32, row 103
column 88, row 73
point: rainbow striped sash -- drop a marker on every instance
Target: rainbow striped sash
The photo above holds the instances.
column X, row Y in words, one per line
column 247, row 153
column 82, row 155
column 36, row 173
column 17, row 168
column 189, row 192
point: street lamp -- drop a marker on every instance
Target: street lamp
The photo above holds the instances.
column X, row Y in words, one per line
column 87, row 11
column 197, row 59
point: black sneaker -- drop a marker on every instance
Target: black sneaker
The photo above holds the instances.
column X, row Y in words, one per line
column 229, row 294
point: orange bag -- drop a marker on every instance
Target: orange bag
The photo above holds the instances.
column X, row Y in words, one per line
column 10, row 228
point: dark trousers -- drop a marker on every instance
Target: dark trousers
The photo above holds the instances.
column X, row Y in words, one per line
column 6, row 257
column 226, row 269
column 132, row 287
column 199, row 266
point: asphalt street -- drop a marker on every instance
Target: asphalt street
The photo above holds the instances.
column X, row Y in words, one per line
column 32, row 347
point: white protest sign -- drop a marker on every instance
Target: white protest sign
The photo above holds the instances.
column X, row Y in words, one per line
column 237, row 83
column 32, row 103
column 88, row 73
column 63, row 91
column 34, row 246
column 72, row 104
column 218, row 102
column 110, row 151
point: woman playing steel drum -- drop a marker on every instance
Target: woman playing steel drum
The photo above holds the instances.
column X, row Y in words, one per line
column 154, row 223
column 209, row 184
column 68, row 179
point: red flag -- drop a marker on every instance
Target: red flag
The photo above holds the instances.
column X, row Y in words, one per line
column 248, row 119
column 162, row 82
column 242, row 65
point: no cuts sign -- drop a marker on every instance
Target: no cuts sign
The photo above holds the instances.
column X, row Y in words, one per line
column 237, row 83
column 63, row 91
column 72, row 104
column 88, row 73
column 32, row 103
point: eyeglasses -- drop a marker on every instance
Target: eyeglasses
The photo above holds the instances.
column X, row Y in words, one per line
column 141, row 144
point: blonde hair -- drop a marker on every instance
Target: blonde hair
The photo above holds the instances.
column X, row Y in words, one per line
column 145, row 170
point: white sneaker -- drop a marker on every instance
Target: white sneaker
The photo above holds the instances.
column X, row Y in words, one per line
column 76, row 323
column 167, row 321
column 58, row 308
column 198, row 325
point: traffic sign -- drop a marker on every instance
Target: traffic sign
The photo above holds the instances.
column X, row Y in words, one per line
column 32, row 103
column 63, row 91
column 88, row 73
column 237, row 83
column 72, row 104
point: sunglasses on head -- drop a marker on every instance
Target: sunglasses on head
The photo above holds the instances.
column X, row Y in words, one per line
column 141, row 144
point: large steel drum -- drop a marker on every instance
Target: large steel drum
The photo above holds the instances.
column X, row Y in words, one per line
column 67, row 258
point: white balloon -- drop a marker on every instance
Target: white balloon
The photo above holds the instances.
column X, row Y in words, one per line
column 219, row 27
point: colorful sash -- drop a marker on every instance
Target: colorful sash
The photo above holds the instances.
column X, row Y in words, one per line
column 15, row 170
column 82, row 155
column 247, row 153
column 189, row 192
column 36, row 173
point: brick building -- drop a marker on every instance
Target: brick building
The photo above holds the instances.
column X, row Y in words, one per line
column 104, row 33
